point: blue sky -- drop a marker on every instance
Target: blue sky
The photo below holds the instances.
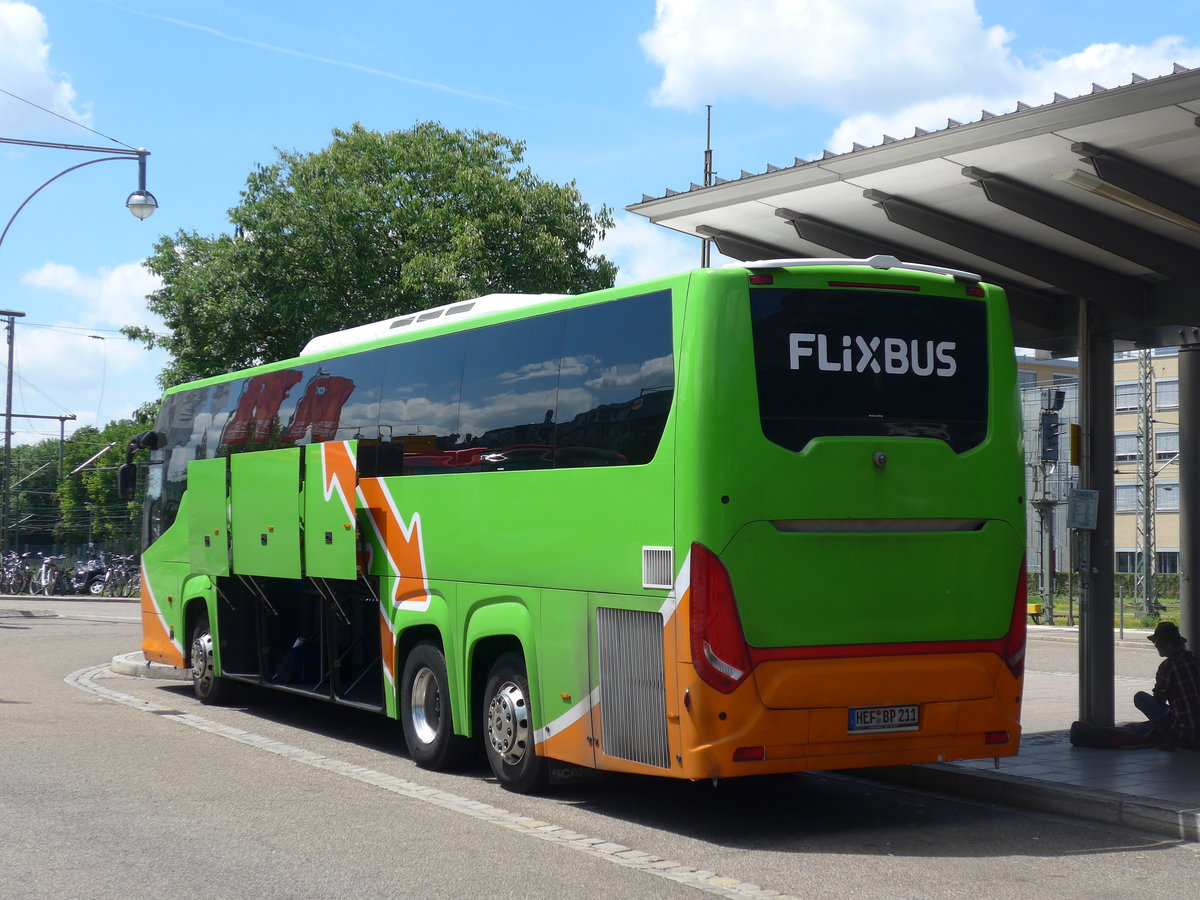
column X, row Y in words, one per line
column 610, row 95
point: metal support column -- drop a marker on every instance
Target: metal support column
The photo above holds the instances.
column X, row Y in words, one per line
column 1189, row 493
column 1097, row 663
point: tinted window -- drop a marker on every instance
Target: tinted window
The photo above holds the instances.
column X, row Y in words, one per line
column 336, row 399
column 510, row 393
column 617, row 382
column 846, row 362
column 419, row 409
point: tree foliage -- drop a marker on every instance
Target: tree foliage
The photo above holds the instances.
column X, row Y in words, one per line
column 373, row 226
column 80, row 504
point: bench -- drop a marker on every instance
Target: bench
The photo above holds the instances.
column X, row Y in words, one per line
column 1035, row 613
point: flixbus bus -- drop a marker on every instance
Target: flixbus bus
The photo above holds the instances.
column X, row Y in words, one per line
column 759, row 519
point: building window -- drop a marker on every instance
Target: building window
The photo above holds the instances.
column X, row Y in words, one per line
column 1026, row 377
column 1167, row 562
column 1166, row 445
column 1166, row 351
column 1128, row 446
column 1166, row 497
column 1127, row 395
column 1127, row 560
column 1125, row 499
column 1166, row 394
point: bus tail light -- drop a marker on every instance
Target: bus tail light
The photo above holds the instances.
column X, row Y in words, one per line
column 719, row 650
column 749, row 754
column 996, row 737
column 1013, row 651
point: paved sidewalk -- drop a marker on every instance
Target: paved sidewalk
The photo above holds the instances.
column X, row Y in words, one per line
column 1148, row 790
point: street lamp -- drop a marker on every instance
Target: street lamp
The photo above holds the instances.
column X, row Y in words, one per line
column 141, row 203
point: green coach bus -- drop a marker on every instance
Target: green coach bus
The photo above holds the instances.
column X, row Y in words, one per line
column 758, row 519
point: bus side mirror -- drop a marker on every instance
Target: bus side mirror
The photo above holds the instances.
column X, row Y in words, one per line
column 151, row 440
column 126, row 481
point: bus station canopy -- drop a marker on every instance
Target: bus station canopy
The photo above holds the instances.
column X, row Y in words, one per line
column 1094, row 197
column 1086, row 210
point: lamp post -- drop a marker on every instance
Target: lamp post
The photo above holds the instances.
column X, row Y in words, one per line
column 141, row 203
column 11, row 315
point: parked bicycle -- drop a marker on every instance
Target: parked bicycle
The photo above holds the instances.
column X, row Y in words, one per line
column 14, row 573
column 124, row 577
column 49, row 579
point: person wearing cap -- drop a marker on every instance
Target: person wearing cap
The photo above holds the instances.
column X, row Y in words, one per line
column 1174, row 707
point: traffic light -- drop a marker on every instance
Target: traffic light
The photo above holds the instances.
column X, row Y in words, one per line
column 1049, row 433
column 1052, row 400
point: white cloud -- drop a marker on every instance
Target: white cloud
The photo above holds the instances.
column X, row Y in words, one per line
column 888, row 67
column 1108, row 65
column 114, row 297
column 835, row 54
column 642, row 250
column 25, row 71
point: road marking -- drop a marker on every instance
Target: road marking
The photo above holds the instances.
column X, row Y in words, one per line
column 599, row 848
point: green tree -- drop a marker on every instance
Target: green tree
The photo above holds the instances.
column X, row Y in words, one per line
column 373, row 226
column 32, row 506
column 88, row 508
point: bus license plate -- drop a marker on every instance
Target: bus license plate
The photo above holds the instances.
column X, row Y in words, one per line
column 884, row 718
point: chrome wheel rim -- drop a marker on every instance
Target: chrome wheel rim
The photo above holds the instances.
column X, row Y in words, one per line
column 426, row 715
column 202, row 663
column 508, row 723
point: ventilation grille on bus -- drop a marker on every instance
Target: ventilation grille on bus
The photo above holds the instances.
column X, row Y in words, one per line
column 658, row 567
column 633, row 691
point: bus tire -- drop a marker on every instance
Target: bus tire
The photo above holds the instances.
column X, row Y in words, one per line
column 209, row 688
column 425, row 711
column 508, row 735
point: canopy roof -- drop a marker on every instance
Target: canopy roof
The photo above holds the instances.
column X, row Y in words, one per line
column 1094, row 197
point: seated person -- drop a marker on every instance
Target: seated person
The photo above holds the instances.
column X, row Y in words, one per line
column 1173, row 709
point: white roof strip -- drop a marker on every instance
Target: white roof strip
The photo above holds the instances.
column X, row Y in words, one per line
column 458, row 311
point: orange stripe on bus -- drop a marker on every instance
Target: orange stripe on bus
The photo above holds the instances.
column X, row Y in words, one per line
column 401, row 543
column 340, row 472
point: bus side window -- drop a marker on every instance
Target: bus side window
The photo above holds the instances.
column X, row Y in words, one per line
column 510, row 387
column 418, row 408
column 617, row 382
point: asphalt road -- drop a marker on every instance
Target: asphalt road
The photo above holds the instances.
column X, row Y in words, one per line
column 113, row 786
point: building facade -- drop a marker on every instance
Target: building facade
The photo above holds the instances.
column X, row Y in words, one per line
column 1145, row 463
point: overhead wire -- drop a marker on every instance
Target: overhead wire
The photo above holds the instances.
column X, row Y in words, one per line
column 66, row 119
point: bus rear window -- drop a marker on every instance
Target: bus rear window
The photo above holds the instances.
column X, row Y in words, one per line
column 843, row 362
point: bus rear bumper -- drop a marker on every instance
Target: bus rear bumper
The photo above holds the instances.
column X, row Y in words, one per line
column 779, row 741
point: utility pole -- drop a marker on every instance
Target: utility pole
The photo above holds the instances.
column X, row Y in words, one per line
column 1144, row 565
column 705, row 244
column 11, row 316
column 1048, row 430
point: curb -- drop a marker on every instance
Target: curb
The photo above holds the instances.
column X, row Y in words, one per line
column 76, row 598
column 1155, row 816
column 135, row 664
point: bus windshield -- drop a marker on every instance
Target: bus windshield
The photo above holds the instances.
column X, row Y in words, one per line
column 859, row 362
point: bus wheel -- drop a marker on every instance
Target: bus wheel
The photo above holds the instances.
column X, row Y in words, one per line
column 425, row 711
column 508, row 728
column 209, row 689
